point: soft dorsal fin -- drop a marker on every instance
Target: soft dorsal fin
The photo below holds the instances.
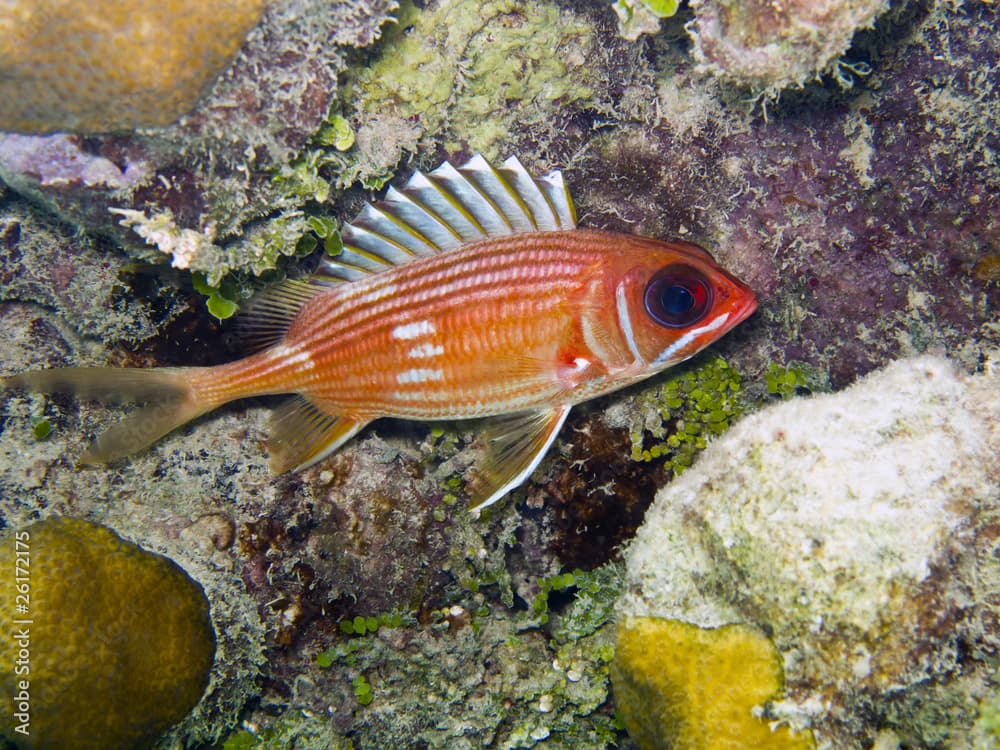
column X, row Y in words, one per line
column 448, row 208
column 264, row 319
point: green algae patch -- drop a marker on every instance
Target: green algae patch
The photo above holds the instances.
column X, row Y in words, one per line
column 638, row 17
column 297, row 730
column 222, row 301
column 549, row 687
column 662, row 8
column 794, row 379
column 102, row 629
column 41, row 429
column 594, row 596
column 456, row 75
column 988, row 724
column 683, row 687
column 477, row 69
column 336, row 132
column 685, row 412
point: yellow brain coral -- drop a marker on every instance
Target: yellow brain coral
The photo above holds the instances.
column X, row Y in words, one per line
column 113, row 64
column 105, row 645
column 681, row 687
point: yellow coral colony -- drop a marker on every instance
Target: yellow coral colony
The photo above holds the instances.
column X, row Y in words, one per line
column 681, row 687
column 104, row 647
column 105, row 65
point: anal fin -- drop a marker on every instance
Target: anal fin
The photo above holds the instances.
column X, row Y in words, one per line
column 515, row 446
column 301, row 434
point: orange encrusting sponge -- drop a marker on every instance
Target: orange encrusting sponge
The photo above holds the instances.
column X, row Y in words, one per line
column 682, row 687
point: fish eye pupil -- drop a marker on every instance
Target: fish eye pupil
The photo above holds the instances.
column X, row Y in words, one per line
column 678, row 296
column 677, row 300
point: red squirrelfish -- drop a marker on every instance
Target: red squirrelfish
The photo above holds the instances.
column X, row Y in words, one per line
column 468, row 293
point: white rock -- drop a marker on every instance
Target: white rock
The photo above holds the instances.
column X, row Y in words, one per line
column 859, row 529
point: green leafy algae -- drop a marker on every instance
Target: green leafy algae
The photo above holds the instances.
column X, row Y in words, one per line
column 360, row 625
column 300, row 179
column 659, row 8
column 638, row 17
column 795, row 378
column 662, row 8
column 683, row 413
column 336, row 132
column 222, row 301
column 595, row 593
column 41, row 429
column 242, row 740
column 362, row 690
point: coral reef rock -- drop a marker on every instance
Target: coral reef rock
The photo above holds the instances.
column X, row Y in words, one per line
column 113, row 644
column 212, row 171
column 859, row 531
column 42, row 262
column 479, row 72
column 774, row 45
column 92, row 67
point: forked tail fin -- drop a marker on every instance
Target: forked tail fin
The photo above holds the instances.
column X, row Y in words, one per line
column 169, row 402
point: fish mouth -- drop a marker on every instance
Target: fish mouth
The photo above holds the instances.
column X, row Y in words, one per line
column 746, row 308
column 744, row 304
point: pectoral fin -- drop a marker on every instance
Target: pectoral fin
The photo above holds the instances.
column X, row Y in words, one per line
column 515, row 446
column 301, row 435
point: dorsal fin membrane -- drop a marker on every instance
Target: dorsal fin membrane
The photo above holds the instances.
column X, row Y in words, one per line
column 461, row 197
column 461, row 210
column 502, row 194
column 449, row 208
column 559, row 198
column 264, row 319
column 544, row 215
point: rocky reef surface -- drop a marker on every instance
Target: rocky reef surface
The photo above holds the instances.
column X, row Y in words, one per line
column 357, row 603
column 858, row 530
column 203, row 186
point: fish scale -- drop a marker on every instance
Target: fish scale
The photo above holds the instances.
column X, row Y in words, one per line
column 448, row 301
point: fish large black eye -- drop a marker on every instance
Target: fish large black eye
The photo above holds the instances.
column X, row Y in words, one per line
column 677, row 296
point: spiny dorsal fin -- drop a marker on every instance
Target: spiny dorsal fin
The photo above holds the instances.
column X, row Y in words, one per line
column 448, row 208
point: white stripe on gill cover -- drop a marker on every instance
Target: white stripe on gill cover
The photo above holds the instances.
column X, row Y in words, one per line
column 625, row 322
column 686, row 339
